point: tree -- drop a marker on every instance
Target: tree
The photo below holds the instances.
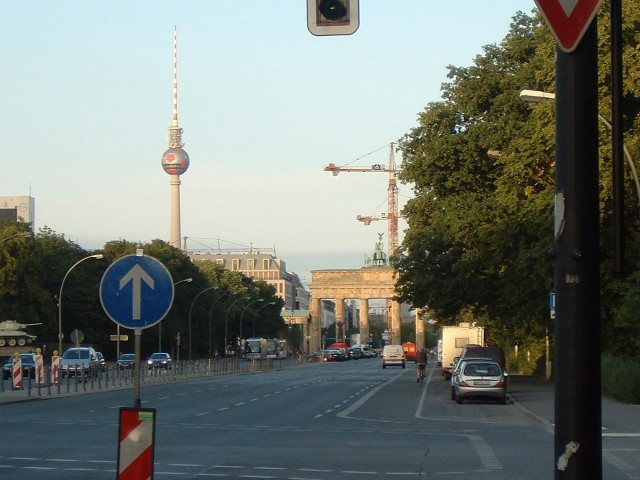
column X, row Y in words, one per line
column 480, row 234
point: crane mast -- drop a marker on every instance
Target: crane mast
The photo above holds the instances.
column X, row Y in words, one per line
column 392, row 193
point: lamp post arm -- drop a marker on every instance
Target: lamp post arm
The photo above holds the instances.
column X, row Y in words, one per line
column 242, row 314
column 19, row 234
column 226, row 321
column 191, row 309
column 64, row 279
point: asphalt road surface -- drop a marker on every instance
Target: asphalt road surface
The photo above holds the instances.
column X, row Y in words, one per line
column 350, row 420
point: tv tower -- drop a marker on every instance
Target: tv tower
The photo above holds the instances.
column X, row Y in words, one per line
column 175, row 160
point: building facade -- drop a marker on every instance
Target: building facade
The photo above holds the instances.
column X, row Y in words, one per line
column 260, row 266
column 18, row 209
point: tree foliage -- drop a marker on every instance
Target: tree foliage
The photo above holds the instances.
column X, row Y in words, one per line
column 32, row 271
column 480, row 227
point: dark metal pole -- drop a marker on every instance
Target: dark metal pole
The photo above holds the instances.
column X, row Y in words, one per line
column 617, row 138
column 578, row 444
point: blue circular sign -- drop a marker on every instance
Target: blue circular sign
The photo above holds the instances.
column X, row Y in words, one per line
column 136, row 291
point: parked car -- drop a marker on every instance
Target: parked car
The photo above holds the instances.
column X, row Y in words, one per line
column 28, row 361
column 160, row 360
column 481, row 379
column 455, row 371
column 102, row 363
column 80, row 360
column 329, row 355
column 477, row 351
column 393, row 355
column 356, row 353
column 125, row 361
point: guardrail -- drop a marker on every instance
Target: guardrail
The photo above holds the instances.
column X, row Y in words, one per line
column 113, row 377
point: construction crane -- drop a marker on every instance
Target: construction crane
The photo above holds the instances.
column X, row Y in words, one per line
column 392, row 192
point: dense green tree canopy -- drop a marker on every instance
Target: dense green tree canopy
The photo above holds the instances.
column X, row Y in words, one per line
column 32, row 270
column 480, row 226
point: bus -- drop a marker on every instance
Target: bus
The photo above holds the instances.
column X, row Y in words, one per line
column 255, row 348
column 273, row 348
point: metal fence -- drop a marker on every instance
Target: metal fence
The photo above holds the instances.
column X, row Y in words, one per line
column 112, row 377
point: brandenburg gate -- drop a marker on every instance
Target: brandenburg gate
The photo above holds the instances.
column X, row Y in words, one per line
column 362, row 284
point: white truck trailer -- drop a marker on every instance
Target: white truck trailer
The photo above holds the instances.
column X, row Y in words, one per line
column 453, row 339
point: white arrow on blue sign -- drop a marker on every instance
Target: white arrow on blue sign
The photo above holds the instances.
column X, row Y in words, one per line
column 136, row 291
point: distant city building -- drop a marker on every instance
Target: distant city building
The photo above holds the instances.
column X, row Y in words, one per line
column 260, row 265
column 18, row 209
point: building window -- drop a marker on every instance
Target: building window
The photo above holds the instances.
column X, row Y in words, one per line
column 235, row 264
column 251, row 264
column 265, row 264
column 220, row 261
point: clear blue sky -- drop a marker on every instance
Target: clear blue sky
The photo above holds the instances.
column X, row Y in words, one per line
column 264, row 105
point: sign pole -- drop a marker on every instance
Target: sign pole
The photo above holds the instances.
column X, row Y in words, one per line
column 136, row 368
column 578, row 418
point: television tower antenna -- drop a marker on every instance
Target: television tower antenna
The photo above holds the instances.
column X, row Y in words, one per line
column 175, row 160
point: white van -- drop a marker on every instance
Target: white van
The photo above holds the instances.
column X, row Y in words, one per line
column 393, row 355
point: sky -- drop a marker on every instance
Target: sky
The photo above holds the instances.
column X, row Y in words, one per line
column 264, row 106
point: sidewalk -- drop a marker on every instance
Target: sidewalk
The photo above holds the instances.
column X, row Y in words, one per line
column 45, row 392
column 535, row 396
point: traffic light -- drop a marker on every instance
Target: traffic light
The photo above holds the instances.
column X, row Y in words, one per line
column 332, row 17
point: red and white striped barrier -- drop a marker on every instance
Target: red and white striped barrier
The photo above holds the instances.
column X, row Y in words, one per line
column 55, row 370
column 136, row 447
column 17, row 373
column 39, row 369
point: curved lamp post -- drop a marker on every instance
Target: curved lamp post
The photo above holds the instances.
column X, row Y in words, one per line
column 537, row 96
column 160, row 322
column 210, row 313
column 226, row 321
column 242, row 315
column 253, row 332
column 19, row 234
column 191, row 308
column 97, row 257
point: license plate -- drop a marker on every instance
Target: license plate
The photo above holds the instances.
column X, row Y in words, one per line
column 482, row 383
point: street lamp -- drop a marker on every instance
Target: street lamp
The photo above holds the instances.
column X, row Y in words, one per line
column 97, row 257
column 160, row 322
column 253, row 332
column 537, row 96
column 211, row 313
column 242, row 314
column 19, row 234
column 191, row 308
column 226, row 321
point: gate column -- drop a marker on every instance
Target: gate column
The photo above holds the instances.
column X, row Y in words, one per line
column 419, row 329
column 396, row 324
column 340, row 323
column 364, row 321
column 314, row 326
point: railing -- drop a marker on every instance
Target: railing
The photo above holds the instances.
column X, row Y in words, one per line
column 112, row 377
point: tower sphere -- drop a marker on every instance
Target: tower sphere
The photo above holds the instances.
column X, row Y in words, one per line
column 175, row 161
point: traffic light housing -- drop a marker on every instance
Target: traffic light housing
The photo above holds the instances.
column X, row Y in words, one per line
column 333, row 17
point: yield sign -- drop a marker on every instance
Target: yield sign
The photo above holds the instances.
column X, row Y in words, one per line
column 568, row 19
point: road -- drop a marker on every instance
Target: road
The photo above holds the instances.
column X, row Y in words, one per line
column 337, row 421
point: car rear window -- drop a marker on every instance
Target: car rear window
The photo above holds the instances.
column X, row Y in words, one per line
column 482, row 369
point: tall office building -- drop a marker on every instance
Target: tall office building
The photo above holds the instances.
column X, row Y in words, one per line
column 18, row 209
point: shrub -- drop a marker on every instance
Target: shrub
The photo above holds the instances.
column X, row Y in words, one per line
column 621, row 379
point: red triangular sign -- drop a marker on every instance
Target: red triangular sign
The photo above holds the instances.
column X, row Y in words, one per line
column 568, row 19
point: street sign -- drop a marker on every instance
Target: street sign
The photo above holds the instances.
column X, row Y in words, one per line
column 136, row 291
column 77, row 337
column 568, row 19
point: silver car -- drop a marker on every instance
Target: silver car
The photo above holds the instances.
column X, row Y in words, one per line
column 79, row 360
column 458, row 364
column 481, row 379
